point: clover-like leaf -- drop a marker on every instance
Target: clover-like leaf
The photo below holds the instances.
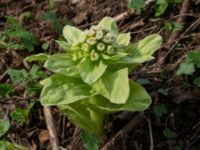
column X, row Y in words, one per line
column 72, row 34
column 61, row 63
column 91, row 71
column 59, row 89
column 109, row 24
column 114, row 86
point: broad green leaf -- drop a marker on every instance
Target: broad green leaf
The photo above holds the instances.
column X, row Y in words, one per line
column 63, row 44
column 186, row 67
column 91, row 71
column 143, row 50
column 72, row 34
column 4, row 145
column 137, row 5
column 136, row 59
column 59, row 89
column 114, row 86
column 83, row 117
column 38, row 57
column 117, row 57
column 61, row 63
column 138, row 100
column 109, row 24
column 161, row 6
column 4, row 127
column 138, row 53
column 148, row 45
column 123, row 39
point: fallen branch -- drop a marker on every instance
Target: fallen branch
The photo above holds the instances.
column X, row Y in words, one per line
column 51, row 128
column 124, row 131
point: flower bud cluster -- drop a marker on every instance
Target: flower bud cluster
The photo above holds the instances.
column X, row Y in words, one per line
column 95, row 43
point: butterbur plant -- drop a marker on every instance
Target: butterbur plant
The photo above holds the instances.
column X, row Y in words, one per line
column 90, row 80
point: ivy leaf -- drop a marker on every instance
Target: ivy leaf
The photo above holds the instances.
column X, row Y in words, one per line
column 72, row 34
column 4, row 127
column 59, row 89
column 138, row 5
column 91, row 71
column 114, row 86
column 61, row 63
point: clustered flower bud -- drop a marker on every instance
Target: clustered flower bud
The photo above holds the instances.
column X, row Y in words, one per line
column 96, row 43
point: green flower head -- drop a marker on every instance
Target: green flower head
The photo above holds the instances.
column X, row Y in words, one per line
column 91, row 79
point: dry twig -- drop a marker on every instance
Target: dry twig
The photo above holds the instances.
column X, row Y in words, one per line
column 150, row 134
column 51, row 128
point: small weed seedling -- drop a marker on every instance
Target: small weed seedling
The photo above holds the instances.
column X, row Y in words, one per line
column 160, row 5
column 189, row 65
column 4, row 145
column 27, row 78
column 173, row 26
column 4, row 126
column 17, row 37
column 90, row 80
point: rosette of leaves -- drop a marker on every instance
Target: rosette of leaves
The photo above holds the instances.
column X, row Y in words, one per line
column 90, row 80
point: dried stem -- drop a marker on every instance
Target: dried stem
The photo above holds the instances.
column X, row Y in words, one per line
column 51, row 127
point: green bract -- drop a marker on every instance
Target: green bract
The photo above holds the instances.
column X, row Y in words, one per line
column 91, row 79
